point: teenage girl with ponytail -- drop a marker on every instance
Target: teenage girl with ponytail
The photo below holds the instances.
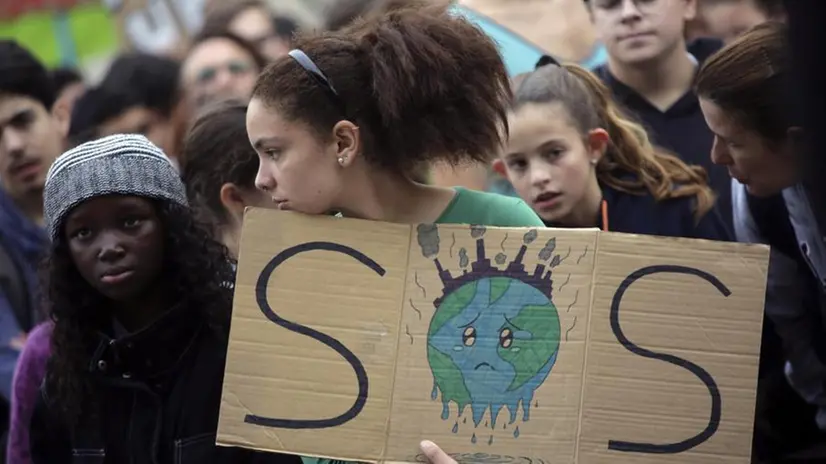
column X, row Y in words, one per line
column 345, row 121
column 574, row 158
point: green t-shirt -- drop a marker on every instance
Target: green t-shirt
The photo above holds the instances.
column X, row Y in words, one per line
column 480, row 208
column 488, row 209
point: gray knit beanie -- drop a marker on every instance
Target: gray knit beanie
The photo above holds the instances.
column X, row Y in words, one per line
column 118, row 164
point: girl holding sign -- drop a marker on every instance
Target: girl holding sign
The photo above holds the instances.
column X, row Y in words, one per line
column 580, row 163
column 140, row 297
column 345, row 120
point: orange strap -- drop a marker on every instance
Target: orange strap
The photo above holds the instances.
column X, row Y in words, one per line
column 604, row 215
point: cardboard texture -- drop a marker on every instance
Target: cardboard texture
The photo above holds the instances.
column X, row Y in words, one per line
column 355, row 340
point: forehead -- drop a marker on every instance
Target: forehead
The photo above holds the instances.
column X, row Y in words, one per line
column 128, row 121
column 266, row 120
column 535, row 123
column 718, row 119
column 10, row 105
column 213, row 51
column 106, row 206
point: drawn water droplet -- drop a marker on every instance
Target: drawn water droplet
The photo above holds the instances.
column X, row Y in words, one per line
column 445, row 411
column 486, row 423
column 464, row 421
column 536, row 404
column 456, row 427
column 504, row 426
column 490, row 440
column 473, row 438
column 516, row 432
column 435, row 392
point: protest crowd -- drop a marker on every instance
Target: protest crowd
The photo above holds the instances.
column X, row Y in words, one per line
column 122, row 200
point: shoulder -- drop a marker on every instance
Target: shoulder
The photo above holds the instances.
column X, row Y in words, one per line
column 704, row 47
column 491, row 209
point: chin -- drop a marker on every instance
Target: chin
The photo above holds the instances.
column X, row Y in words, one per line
column 762, row 191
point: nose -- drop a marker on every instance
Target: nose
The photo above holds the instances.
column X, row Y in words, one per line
column 630, row 10
column 111, row 247
column 14, row 142
column 719, row 153
column 540, row 175
column 264, row 179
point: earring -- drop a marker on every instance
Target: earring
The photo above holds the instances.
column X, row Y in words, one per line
column 594, row 162
column 341, row 160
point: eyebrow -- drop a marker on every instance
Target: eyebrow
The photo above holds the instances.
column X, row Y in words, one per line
column 258, row 144
column 23, row 112
column 471, row 322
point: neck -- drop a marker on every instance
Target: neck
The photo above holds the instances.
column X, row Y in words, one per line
column 138, row 314
column 661, row 81
column 388, row 197
column 31, row 205
column 586, row 213
column 230, row 238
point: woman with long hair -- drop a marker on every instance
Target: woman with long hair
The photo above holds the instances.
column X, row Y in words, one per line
column 579, row 162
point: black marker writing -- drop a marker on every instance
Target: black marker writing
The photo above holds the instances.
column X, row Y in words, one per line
column 358, row 367
column 702, row 374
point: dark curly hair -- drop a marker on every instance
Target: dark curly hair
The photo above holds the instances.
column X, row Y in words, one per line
column 201, row 274
column 423, row 84
column 217, row 151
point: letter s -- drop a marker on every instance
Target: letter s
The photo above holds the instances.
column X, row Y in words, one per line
column 702, row 374
column 358, row 368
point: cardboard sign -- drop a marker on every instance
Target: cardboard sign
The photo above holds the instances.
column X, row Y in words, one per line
column 355, row 340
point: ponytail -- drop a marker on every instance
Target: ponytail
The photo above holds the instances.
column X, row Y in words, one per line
column 591, row 106
column 423, row 85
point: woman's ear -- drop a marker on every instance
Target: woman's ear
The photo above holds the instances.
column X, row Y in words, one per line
column 597, row 140
column 348, row 142
column 499, row 168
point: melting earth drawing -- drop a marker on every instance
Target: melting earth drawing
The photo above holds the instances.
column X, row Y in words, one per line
column 495, row 335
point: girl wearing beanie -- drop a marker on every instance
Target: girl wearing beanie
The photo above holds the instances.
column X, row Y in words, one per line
column 140, row 298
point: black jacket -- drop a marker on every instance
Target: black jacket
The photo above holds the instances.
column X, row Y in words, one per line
column 674, row 217
column 158, row 391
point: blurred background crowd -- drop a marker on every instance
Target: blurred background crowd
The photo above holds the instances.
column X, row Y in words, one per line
column 181, row 73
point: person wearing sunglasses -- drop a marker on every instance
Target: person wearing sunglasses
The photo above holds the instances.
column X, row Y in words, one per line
column 220, row 66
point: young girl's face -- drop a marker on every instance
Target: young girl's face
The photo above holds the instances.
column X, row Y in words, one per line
column 299, row 171
column 116, row 243
column 549, row 162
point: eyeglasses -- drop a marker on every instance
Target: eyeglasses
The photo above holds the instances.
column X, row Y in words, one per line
column 302, row 59
column 235, row 68
column 642, row 5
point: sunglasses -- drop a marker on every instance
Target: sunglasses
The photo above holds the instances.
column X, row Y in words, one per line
column 235, row 68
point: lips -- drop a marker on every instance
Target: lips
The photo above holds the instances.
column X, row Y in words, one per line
column 25, row 169
column 635, row 35
column 116, row 276
column 546, row 200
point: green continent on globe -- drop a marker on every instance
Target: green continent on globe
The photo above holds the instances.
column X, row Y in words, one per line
column 447, row 375
column 542, row 322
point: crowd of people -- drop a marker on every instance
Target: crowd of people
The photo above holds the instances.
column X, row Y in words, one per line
column 122, row 201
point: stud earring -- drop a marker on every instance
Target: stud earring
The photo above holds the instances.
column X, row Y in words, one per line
column 341, row 160
column 594, row 162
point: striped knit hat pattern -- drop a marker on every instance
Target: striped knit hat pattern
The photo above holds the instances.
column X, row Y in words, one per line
column 115, row 165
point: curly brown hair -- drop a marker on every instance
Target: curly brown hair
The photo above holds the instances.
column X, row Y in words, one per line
column 422, row 84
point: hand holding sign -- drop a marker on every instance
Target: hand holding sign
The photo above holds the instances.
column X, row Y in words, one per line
column 434, row 454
